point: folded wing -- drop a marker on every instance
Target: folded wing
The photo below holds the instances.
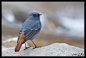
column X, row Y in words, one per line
column 29, row 33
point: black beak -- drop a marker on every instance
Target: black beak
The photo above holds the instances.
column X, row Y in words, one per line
column 40, row 14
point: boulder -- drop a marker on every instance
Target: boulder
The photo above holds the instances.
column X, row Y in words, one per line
column 55, row 49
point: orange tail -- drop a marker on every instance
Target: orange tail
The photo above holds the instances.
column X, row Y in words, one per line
column 19, row 44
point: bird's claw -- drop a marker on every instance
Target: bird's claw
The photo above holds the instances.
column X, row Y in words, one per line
column 27, row 47
column 37, row 47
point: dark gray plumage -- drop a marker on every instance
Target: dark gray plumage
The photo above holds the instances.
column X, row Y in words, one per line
column 31, row 27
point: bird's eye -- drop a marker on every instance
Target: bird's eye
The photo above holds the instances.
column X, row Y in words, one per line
column 34, row 15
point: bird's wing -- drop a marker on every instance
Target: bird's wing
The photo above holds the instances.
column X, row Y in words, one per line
column 29, row 33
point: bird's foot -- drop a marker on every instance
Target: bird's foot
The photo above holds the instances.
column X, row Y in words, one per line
column 27, row 47
column 36, row 47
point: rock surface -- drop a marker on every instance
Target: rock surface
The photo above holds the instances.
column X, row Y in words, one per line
column 56, row 49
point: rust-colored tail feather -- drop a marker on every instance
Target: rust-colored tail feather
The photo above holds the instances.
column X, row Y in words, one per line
column 19, row 44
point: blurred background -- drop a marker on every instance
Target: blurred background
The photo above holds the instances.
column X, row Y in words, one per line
column 62, row 22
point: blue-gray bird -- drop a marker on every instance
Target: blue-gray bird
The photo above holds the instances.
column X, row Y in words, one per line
column 29, row 30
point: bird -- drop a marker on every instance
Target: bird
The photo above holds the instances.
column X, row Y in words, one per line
column 29, row 30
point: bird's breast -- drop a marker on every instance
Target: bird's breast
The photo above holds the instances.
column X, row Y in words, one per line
column 30, row 24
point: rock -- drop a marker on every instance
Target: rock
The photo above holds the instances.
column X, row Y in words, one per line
column 55, row 49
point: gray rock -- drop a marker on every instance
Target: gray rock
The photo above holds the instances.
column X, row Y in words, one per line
column 56, row 49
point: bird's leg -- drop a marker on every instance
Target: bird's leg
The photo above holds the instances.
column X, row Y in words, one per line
column 26, row 47
column 35, row 45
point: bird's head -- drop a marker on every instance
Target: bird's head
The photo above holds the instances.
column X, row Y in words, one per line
column 34, row 15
